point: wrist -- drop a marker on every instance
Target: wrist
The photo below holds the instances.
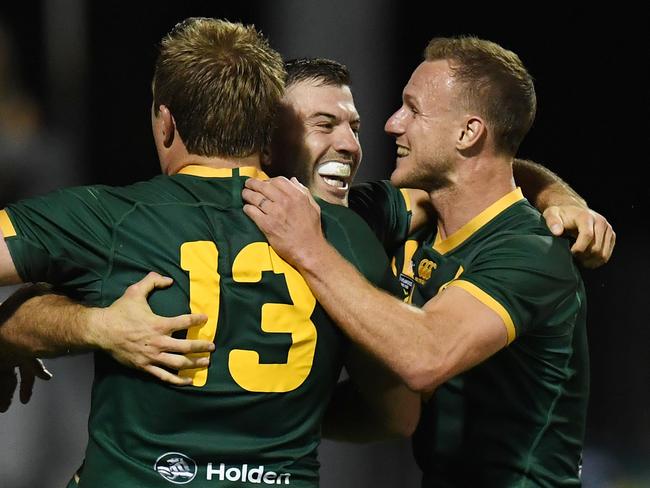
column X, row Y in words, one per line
column 92, row 321
column 314, row 257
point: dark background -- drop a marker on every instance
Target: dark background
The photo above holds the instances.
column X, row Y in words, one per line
column 88, row 67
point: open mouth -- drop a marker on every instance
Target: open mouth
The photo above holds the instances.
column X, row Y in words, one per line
column 402, row 151
column 336, row 174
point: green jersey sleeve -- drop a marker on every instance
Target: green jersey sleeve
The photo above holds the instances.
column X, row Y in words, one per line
column 63, row 238
column 386, row 210
column 529, row 280
column 354, row 240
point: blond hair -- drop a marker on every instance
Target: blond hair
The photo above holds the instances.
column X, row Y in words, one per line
column 222, row 82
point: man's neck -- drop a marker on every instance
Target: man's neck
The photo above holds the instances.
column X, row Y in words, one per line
column 475, row 187
column 214, row 162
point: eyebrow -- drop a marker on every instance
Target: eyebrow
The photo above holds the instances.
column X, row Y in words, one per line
column 333, row 117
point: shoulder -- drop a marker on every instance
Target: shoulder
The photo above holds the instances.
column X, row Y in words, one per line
column 353, row 239
column 340, row 221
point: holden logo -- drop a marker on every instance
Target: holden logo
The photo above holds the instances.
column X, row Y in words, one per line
column 176, row 467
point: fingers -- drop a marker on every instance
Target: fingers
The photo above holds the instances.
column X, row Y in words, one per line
column 257, row 216
column 299, row 185
column 8, row 383
column 188, row 346
column 182, row 322
column 598, row 241
column 254, row 198
column 167, row 377
column 610, row 242
column 584, row 224
column 272, row 189
column 147, row 284
column 601, row 248
column 27, row 379
column 305, row 191
column 40, row 370
column 554, row 220
column 178, row 362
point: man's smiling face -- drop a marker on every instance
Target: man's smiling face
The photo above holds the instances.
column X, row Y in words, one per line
column 317, row 139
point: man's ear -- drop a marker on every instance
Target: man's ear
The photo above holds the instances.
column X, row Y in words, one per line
column 168, row 125
column 472, row 132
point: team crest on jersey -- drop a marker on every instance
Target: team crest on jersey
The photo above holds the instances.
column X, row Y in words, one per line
column 176, row 467
column 425, row 268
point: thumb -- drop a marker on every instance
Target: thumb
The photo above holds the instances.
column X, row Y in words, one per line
column 554, row 220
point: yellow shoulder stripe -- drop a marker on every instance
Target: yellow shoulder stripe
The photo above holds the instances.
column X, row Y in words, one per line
column 486, row 299
column 6, row 226
column 451, row 242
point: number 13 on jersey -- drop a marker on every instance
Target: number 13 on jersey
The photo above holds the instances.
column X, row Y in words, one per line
column 200, row 259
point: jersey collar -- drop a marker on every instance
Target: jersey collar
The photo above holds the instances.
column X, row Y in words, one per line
column 209, row 172
column 443, row 246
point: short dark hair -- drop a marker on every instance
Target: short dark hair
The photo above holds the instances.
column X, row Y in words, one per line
column 325, row 71
column 223, row 84
column 495, row 83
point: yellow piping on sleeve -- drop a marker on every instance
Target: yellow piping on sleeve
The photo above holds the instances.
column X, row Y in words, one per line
column 487, row 300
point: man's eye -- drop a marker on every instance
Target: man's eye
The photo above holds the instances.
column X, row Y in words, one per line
column 326, row 125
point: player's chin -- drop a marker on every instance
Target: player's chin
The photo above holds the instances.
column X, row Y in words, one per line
column 400, row 179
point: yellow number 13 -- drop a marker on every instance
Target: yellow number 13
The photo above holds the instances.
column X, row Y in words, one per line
column 200, row 259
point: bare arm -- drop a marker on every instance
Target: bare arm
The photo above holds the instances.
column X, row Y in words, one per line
column 372, row 405
column 566, row 211
column 542, row 187
column 48, row 325
column 424, row 347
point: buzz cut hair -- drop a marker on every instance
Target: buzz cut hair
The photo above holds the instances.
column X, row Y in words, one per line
column 494, row 82
column 325, row 72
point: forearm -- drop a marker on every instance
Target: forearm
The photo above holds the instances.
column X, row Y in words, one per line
column 36, row 323
column 396, row 333
column 542, row 187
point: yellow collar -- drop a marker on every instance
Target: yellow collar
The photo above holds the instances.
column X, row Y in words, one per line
column 443, row 246
column 210, row 172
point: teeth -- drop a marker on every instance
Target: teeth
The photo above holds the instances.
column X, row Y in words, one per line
column 402, row 151
column 335, row 168
column 335, row 183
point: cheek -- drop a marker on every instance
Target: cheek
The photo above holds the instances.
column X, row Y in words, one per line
column 316, row 145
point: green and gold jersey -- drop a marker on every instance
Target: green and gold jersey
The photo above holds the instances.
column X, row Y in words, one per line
column 518, row 418
column 252, row 418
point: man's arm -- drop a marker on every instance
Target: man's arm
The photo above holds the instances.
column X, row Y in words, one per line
column 542, row 187
column 373, row 404
column 424, row 347
column 48, row 325
column 566, row 211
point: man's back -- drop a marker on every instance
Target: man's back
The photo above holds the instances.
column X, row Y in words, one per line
column 254, row 415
